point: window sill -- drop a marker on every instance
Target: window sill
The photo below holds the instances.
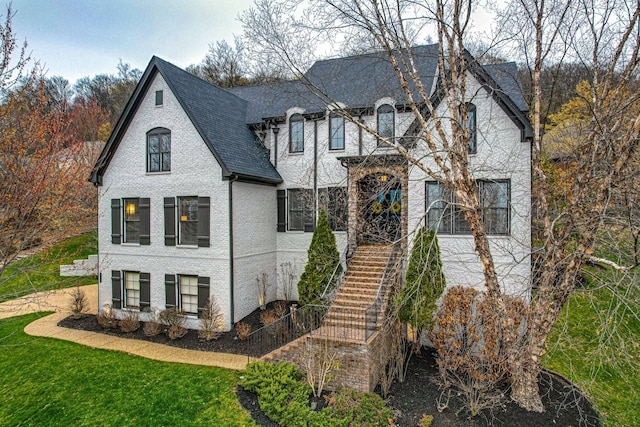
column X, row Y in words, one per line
column 296, row 153
column 132, row 244
column 158, row 173
column 336, row 150
column 187, row 246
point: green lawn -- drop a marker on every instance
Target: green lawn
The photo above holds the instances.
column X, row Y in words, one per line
column 42, row 270
column 47, row 382
column 596, row 344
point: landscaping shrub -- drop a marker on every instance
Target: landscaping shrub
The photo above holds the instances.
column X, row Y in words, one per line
column 280, row 308
column 284, row 397
column 268, row 316
column 79, row 304
column 243, row 330
column 323, row 256
column 106, row 319
column 423, row 285
column 211, row 321
column 130, row 321
column 175, row 320
column 152, row 328
column 469, row 339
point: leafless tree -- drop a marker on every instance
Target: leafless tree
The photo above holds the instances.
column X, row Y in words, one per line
column 606, row 151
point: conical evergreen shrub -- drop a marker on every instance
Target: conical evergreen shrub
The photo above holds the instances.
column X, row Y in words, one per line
column 424, row 282
column 322, row 258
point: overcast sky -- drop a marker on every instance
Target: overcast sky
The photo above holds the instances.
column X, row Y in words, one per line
column 77, row 38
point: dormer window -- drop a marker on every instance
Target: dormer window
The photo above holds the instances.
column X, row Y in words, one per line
column 386, row 121
column 296, row 133
column 159, row 150
column 470, row 126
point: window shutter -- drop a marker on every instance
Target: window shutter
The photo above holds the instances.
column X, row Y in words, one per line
column 282, row 211
column 145, row 221
column 169, row 221
column 116, row 230
column 204, row 220
column 145, row 290
column 170, row 290
column 203, row 294
column 116, row 289
column 309, row 204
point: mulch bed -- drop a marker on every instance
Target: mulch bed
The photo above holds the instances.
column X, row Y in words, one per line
column 417, row 395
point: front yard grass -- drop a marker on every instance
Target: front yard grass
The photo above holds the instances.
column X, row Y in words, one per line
column 47, row 382
column 42, row 271
column 596, row 343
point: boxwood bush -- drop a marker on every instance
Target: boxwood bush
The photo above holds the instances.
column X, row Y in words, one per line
column 284, row 397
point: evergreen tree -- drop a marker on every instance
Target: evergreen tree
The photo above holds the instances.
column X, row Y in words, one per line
column 323, row 256
column 424, row 283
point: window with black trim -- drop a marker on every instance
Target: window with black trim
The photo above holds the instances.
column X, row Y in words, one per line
column 301, row 209
column 159, row 150
column 131, row 220
column 132, row 289
column 159, row 98
column 188, row 286
column 444, row 215
column 296, row 133
column 334, row 201
column 336, row 132
column 386, row 121
column 470, row 126
column 188, row 220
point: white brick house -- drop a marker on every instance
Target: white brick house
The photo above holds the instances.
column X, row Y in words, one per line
column 201, row 190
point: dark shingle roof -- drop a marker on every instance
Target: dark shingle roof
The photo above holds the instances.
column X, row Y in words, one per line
column 358, row 82
column 506, row 76
column 218, row 115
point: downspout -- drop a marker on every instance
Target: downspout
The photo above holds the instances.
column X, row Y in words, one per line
column 360, row 136
column 231, row 284
column 275, row 146
column 315, row 172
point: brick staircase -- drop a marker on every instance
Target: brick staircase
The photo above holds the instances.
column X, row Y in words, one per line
column 350, row 324
column 348, row 317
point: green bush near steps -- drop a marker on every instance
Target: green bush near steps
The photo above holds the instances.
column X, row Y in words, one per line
column 284, row 397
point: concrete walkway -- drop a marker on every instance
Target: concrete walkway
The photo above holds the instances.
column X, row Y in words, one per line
column 58, row 301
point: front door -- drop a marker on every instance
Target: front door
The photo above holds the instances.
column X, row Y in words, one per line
column 380, row 197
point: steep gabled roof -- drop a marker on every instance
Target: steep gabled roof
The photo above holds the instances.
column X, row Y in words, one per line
column 218, row 116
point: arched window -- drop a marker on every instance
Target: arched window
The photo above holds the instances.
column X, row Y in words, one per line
column 470, row 126
column 386, row 121
column 296, row 133
column 159, row 150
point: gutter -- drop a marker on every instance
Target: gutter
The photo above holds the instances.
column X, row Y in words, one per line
column 231, row 266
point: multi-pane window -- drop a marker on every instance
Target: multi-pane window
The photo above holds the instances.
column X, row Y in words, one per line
column 132, row 220
column 188, row 220
column 301, row 207
column 470, row 126
column 189, row 294
column 132, row 289
column 296, row 133
column 336, row 133
column 386, row 121
column 334, row 201
column 445, row 216
column 159, row 150
column 159, row 98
